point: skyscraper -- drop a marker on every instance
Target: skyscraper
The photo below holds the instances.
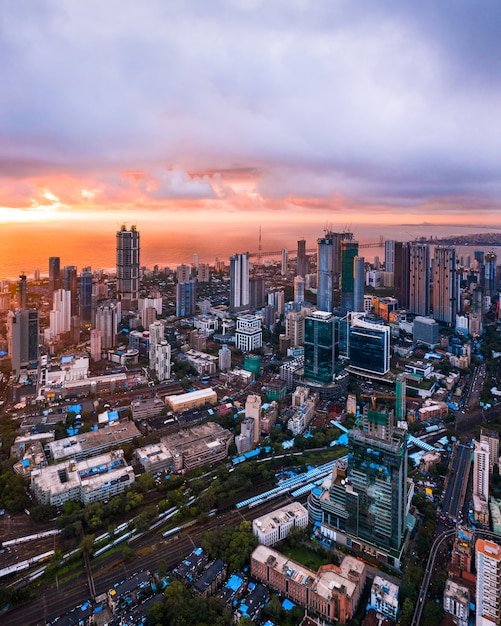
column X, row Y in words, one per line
column 22, row 333
column 349, row 251
column 389, row 255
column 107, row 319
column 85, row 296
column 327, row 270
column 285, row 258
column 257, row 298
column 320, row 347
column 419, row 279
column 70, row 283
column 445, row 285
column 186, row 298
column 54, row 274
column 358, row 283
column 488, row 592
column 299, row 290
column 401, row 273
column 21, row 292
column 369, row 346
column 366, row 503
column 127, row 248
column 302, row 259
column 239, row 282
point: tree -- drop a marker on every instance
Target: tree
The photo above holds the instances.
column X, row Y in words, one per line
column 87, row 544
column 433, row 614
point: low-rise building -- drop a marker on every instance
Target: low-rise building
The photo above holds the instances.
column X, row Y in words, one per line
column 211, row 578
column 203, row 444
column 276, row 525
column 95, row 442
column 333, row 592
column 457, row 602
column 91, row 480
column 384, row 597
column 191, row 400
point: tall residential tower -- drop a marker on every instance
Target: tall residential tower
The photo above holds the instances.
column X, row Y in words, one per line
column 128, row 265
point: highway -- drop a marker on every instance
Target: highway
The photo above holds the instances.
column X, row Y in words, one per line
column 416, row 620
column 457, row 481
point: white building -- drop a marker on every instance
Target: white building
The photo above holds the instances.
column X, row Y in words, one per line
column 107, row 318
column 157, row 335
column 91, row 480
column 303, row 416
column 248, row 334
column 384, row 597
column 481, row 469
column 60, row 316
column 162, row 361
column 488, row 592
column 457, row 602
column 275, row 526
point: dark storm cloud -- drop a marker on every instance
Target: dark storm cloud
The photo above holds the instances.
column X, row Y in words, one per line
column 383, row 99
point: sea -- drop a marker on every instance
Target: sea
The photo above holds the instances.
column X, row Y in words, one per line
column 25, row 248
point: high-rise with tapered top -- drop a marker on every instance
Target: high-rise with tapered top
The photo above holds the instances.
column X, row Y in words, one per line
column 128, row 265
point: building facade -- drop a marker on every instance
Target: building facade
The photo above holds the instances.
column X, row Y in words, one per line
column 127, row 262
column 239, row 282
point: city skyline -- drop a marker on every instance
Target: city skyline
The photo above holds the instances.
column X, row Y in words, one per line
column 245, row 113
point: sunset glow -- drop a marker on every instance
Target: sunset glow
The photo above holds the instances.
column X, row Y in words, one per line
column 212, row 122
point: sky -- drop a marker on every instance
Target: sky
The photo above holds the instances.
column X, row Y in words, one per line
column 232, row 113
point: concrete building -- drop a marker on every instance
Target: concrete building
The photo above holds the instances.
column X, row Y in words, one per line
column 186, row 295
column 60, row 316
column 349, row 252
column 248, row 334
column 93, row 443
column 294, row 328
column 204, row 444
column 481, row 473
column 332, row 593
column 23, row 339
column 191, row 400
column 95, row 344
column 128, row 263
column 425, row 330
column 419, row 279
column 224, row 355
column 302, row 267
column 491, row 438
column 445, row 292
column 457, row 602
column 239, row 282
column 153, row 458
column 108, row 317
column 275, row 526
column 384, row 597
column 91, row 480
column 303, row 415
column 299, row 289
column 253, row 412
column 488, row 590
column 183, row 273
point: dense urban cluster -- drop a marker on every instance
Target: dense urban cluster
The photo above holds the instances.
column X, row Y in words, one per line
column 312, row 439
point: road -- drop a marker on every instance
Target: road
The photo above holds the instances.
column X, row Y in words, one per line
column 416, row 620
column 457, row 481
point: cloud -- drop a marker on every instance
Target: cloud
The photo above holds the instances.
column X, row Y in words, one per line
column 248, row 102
